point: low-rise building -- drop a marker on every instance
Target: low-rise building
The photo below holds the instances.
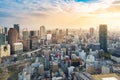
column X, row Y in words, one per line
column 106, row 77
column 105, row 69
column 17, row 48
column 4, row 50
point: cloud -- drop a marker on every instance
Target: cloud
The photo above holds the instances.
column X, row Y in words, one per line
column 5, row 14
column 57, row 11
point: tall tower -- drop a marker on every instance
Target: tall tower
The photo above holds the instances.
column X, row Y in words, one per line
column 16, row 26
column 1, row 30
column 91, row 32
column 5, row 30
column 12, row 37
column 2, row 39
column 26, row 40
column 42, row 32
column 103, row 37
column 25, row 34
column 67, row 31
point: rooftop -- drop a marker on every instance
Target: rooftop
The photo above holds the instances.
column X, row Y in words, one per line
column 106, row 77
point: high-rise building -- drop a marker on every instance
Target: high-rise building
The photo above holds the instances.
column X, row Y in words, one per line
column 67, row 31
column 103, row 37
column 25, row 34
column 42, row 32
column 26, row 40
column 91, row 32
column 0, row 29
column 12, row 37
column 32, row 33
column 16, row 26
column 2, row 39
column 5, row 30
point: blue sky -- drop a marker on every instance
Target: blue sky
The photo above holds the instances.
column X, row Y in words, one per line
column 58, row 12
column 85, row 0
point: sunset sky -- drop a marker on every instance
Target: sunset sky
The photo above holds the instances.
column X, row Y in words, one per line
column 60, row 13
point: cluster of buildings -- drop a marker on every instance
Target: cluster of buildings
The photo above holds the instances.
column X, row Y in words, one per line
column 66, row 54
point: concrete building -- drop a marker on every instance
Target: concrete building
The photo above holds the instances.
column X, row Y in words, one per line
column 5, row 30
column 91, row 32
column 90, row 68
column 2, row 39
column 94, row 46
column 12, row 37
column 24, row 76
column 42, row 32
column 25, row 34
column 115, row 57
column 1, row 30
column 4, row 50
column 32, row 33
column 17, row 27
column 82, row 55
column 34, row 43
column 26, row 45
column 105, row 69
column 106, row 77
column 26, row 40
column 103, row 37
column 17, row 48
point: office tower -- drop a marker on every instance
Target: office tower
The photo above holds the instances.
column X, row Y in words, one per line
column 91, row 32
column 33, row 40
column 26, row 40
column 16, row 26
column 0, row 29
column 5, row 30
column 103, row 37
column 67, row 31
column 12, row 37
column 25, row 34
column 32, row 33
column 42, row 32
column 2, row 39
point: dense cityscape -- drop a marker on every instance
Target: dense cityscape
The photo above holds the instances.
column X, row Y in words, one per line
column 59, row 54
column 59, row 39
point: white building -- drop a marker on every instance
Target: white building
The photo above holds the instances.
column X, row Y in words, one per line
column 105, row 69
column 17, row 48
column 82, row 55
column 4, row 50
column 24, row 76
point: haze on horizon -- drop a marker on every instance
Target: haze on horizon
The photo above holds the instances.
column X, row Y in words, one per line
column 60, row 13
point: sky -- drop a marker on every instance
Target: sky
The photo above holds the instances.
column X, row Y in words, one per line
column 60, row 13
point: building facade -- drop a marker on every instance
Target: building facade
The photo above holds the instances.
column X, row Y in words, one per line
column 103, row 37
column 12, row 37
column 42, row 32
column 4, row 50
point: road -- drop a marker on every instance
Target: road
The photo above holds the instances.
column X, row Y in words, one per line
column 6, row 64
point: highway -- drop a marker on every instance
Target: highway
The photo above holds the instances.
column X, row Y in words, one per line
column 6, row 64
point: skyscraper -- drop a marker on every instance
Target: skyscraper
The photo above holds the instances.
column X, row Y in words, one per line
column 103, row 37
column 67, row 31
column 0, row 29
column 12, row 37
column 16, row 26
column 25, row 34
column 5, row 30
column 26, row 40
column 91, row 32
column 42, row 32
column 2, row 39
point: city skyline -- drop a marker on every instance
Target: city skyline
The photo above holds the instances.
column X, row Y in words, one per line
column 60, row 13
